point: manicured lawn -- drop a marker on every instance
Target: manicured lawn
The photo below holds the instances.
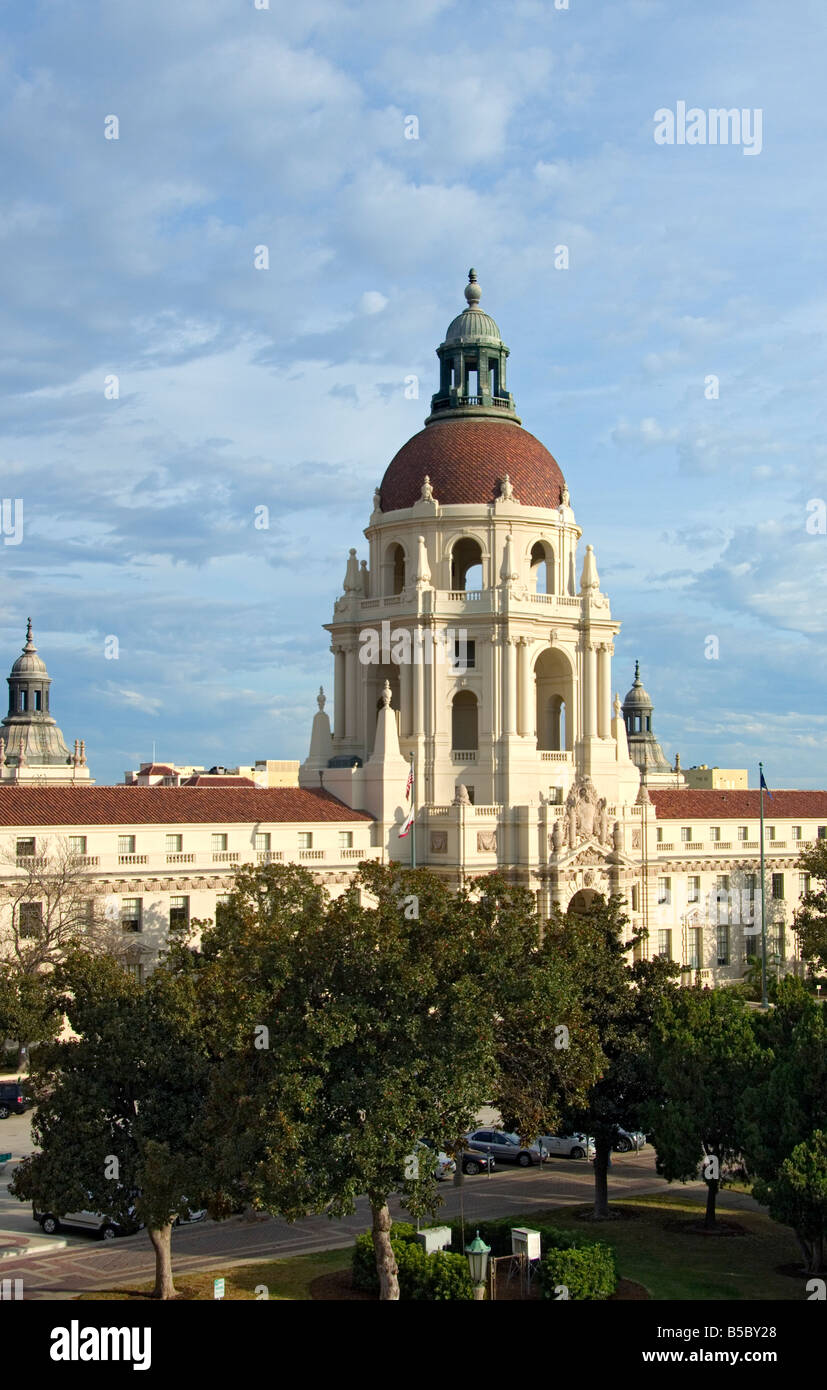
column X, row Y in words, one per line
column 673, row 1266
column 285, row 1279
column 669, row 1264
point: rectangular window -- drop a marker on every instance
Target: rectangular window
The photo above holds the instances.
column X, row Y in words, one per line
column 769, row 832
column 693, row 946
column 131, row 914
column 38, row 699
column 778, row 887
column 179, row 912
column 803, row 884
column 263, row 841
column 686, row 834
column 665, row 944
column 221, row 901
column 218, row 843
column 664, row 890
column 659, row 834
column 30, row 919
column 796, row 833
column 822, row 832
column 136, row 970
column 465, row 654
column 77, row 844
column 636, row 897
column 174, row 844
column 743, row 832
column 722, row 897
column 722, row 941
column 305, row 839
column 25, row 849
column 471, row 793
column 345, row 839
column 126, row 844
column 693, row 890
column 714, row 833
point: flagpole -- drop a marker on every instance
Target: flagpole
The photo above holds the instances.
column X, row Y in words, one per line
column 764, row 999
column 413, row 808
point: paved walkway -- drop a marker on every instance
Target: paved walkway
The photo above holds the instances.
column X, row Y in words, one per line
column 87, row 1265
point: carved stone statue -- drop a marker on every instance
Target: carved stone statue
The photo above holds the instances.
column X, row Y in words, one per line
column 386, row 694
column 582, row 804
column 427, row 491
column 321, row 698
column 617, row 838
column 377, row 500
column 461, row 797
column 557, row 837
column 506, row 489
column 603, row 821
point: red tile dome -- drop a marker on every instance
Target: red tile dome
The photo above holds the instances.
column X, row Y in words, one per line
column 466, row 461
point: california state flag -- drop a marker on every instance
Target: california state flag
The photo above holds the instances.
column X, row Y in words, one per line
column 408, row 821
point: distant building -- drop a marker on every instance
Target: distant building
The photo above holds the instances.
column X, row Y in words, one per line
column 703, row 778
column 31, row 745
column 266, row 772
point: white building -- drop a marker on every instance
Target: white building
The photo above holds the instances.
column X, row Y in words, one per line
column 475, row 641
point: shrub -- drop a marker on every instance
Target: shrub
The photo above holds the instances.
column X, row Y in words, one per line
column 437, row 1277
column 497, row 1234
column 588, row 1272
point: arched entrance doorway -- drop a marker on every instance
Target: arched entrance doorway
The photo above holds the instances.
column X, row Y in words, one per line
column 582, row 900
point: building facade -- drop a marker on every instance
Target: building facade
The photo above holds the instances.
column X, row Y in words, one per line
column 473, row 644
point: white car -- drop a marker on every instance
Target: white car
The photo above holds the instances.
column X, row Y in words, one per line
column 567, row 1145
column 443, row 1165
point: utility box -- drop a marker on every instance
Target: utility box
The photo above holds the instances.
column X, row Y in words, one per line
column 435, row 1238
column 525, row 1242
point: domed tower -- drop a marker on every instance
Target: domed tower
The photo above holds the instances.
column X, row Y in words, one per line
column 31, row 744
column 644, row 749
column 497, row 658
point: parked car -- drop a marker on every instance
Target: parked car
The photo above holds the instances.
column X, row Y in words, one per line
column 12, row 1099
column 505, row 1148
column 475, row 1161
column 444, row 1165
column 102, row 1226
column 191, row 1215
column 629, row 1139
column 567, row 1145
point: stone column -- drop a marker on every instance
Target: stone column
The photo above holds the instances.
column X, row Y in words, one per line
column 510, row 685
column 351, row 692
column 589, row 692
column 339, row 693
column 527, row 700
column 417, row 704
column 405, row 697
column 604, row 689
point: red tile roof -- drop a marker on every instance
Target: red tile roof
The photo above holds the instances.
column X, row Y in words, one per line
column 156, row 769
column 466, row 460
column 674, row 803
column 130, row 805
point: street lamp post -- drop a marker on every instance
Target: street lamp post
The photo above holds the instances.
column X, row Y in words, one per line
column 478, row 1253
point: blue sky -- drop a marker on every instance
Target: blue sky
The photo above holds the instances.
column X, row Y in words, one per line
column 285, row 388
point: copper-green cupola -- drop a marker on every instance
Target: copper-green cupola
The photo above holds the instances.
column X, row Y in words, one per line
column 472, row 366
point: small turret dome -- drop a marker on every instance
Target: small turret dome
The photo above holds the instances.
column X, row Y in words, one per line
column 29, row 663
column 638, row 697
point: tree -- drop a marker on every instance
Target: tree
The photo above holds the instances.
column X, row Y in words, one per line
column 619, row 1000
column 29, row 1008
column 119, row 1104
column 810, row 919
column 785, row 1101
column 47, row 906
column 797, row 1197
column 703, row 1054
column 353, row 1027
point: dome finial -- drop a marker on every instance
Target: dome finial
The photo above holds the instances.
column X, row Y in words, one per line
column 29, row 638
column 637, row 673
column 473, row 293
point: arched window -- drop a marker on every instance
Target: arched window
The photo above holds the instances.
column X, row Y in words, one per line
column 542, row 568
column 555, row 701
column 466, row 565
column 464, row 721
column 393, row 570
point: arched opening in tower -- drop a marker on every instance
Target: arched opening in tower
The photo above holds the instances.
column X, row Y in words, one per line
column 393, row 570
column 542, row 568
column 466, row 565
column 465, row 722
column 554, row 701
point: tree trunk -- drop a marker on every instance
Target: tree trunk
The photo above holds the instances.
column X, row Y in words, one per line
column 161, row 1238
column 812, row 1251
column 711, row 1194
column 22, row 1057
column 385, row 1258
column 602, row 1154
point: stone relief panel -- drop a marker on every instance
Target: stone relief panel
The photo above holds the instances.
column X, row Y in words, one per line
column 439, row 842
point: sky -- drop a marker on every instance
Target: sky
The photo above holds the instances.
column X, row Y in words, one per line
column 129, row 265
